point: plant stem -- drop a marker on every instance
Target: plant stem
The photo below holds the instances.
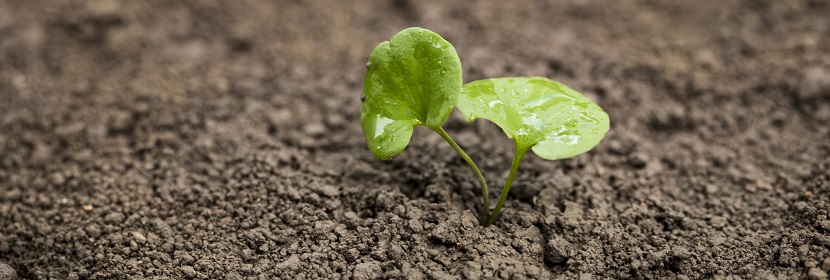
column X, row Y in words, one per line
column 517, row 159
column 484, row 192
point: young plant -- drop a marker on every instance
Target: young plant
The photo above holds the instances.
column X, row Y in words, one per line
column 415, row 79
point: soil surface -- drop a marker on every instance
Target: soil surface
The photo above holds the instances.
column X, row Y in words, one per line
column 221, row 140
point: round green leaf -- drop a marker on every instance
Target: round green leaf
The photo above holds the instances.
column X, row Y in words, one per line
column 553, row 119
column 413, row 79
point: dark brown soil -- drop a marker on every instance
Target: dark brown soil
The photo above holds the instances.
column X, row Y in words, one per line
column 221, row 140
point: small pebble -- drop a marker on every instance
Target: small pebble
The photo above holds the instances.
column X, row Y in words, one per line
column 188, row 271
column 816, row 274
column 367, row 270
column 718, row 222
column 138, row 237
column 7, row 272
column 114, row 218
column 558, row 250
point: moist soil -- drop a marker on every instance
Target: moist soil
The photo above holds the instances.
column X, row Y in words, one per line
column 221, row 140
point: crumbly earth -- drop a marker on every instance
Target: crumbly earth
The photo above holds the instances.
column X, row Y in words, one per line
column 221, row 140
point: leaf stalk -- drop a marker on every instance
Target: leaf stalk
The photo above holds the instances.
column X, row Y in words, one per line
column 517, row 160
column 484, row 192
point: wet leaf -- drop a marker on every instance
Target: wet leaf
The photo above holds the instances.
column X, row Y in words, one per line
column 413, row 79
column 553, row 119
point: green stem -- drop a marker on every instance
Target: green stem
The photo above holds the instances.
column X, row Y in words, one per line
column 484, row 192
column 517, row 159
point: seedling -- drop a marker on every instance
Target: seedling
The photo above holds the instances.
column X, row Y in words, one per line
column 415, row 79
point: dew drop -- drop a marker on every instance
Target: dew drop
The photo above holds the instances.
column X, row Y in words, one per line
column 369, row 63
column 588, row 118
column 533, row 121
column 380, row 125
column 362, row 97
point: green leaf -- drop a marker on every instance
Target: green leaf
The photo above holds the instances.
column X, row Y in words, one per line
column 553, row 119
column 413, row 79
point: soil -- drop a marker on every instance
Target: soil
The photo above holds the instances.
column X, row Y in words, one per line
column 221, row 140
